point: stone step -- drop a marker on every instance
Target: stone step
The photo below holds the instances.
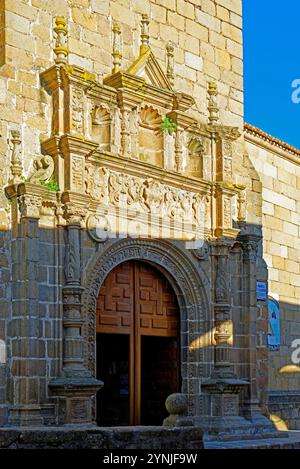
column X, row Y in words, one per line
column 272, row 443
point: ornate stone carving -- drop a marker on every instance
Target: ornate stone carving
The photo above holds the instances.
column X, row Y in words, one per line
column 188, row 282
column 145, row 195
column 43, row 168
column 221, row 284
column 242, row 206
column 60, row 48
column 77, row 173
column 16, row 163
column 213, row 108
column 30, row 205
column 144, row 34
column 250, row 248
column 125, row 133
column 77, row 105
column 170, row 62
column 116, row 54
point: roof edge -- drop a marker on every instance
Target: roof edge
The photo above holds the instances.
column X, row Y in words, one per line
column 255, row 131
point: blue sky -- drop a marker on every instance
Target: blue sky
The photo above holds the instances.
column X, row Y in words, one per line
column 271, row 63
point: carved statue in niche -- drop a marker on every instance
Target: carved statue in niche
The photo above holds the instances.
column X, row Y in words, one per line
column 101, row 127
column 195, row 158
column 150, row 137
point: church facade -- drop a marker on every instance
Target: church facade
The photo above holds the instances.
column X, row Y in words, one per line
column 134, row 221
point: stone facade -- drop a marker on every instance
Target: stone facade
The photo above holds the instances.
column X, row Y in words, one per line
column 127, row 117
column 277, row 165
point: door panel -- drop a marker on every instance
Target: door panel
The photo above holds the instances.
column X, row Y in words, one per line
column 137, row 300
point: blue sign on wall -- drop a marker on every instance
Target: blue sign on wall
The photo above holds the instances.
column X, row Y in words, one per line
column 261, row 291
column 274, row 324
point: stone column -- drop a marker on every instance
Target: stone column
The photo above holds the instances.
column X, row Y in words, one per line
column 221, row 391
column 27, row 346
column 251, row 406
column 76, row 387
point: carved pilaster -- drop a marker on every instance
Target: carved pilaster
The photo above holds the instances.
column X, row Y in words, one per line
column 75, row 151
column 76, row 385
column 222, row 311
column 223, row 194
column 125, row 132
column 222, row 389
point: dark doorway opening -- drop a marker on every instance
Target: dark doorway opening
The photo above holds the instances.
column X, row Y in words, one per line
column 160, row 377
column 113, row 368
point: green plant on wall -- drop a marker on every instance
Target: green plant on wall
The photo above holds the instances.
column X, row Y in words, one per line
column 169, row 125
column 51, row 185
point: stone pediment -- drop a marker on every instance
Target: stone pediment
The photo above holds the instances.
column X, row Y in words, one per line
column 146, row 66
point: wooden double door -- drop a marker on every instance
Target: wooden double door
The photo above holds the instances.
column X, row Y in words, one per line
column 137, row 345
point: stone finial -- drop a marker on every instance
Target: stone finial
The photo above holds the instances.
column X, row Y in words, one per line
column 213, row 109
column 170, row 62
column 177, row 406
column 60, row 49
column 116, row 54
column 16, row 163
column 144, row 34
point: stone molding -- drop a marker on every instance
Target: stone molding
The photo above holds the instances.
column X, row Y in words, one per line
column 189, row 283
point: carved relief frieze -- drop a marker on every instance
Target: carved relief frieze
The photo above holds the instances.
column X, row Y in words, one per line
column 145, row 195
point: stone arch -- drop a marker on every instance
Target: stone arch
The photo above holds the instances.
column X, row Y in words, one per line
column 190, row 285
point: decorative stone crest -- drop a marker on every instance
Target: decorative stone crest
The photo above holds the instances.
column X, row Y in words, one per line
column 43, row 168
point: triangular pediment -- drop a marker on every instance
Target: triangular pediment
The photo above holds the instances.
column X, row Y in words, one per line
column 146, row 66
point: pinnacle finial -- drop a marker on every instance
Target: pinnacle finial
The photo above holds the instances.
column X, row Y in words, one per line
column 116, row 53
column 170, row 62
column 144, row 33
column 60, row 49
column 213, row 109
column 16, row 163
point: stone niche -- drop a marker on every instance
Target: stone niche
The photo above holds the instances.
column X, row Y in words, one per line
column 101, row 124
column 150, row 136
column 195, row 158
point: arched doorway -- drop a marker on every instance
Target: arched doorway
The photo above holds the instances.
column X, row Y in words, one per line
column 138, row 348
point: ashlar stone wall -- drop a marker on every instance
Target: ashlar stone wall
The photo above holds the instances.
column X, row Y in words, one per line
column 278, row 167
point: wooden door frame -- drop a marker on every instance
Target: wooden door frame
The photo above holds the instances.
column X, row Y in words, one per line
column 135, row 338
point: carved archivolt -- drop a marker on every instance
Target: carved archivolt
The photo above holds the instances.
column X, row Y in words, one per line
column 190, row 284
column 144, row 195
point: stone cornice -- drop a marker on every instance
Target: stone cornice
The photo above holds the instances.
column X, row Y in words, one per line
column 259, row 137
column 136, row 167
